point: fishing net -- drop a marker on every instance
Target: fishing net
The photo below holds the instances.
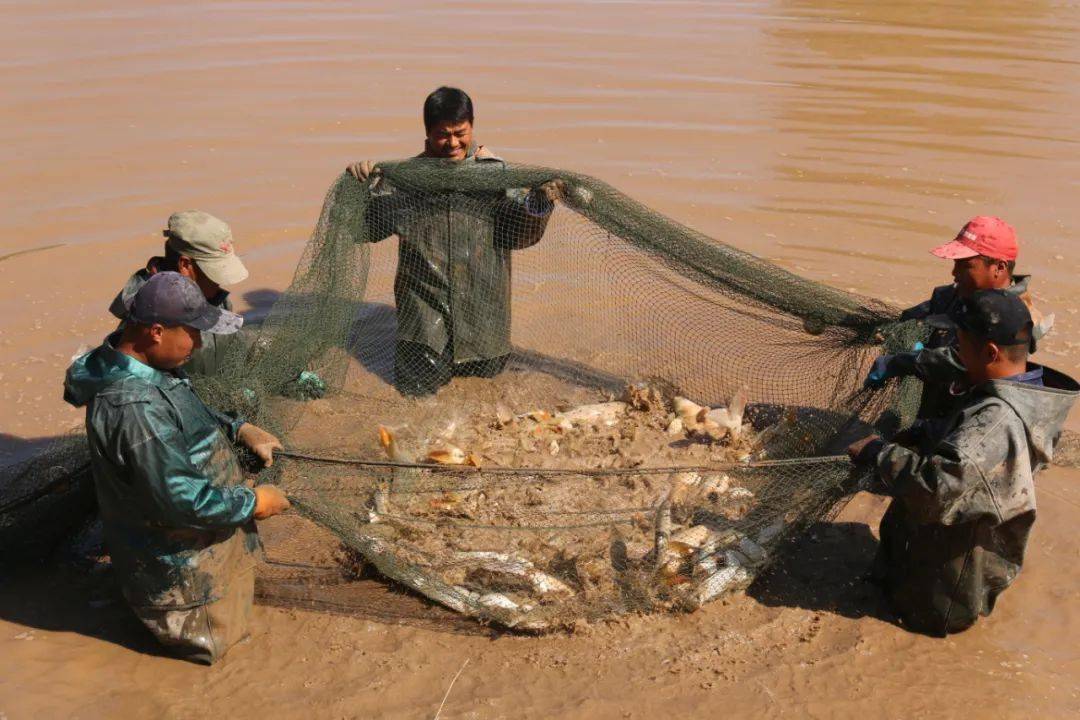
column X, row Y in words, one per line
column 533, row 400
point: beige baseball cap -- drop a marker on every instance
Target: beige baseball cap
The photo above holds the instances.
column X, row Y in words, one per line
column 208, row 241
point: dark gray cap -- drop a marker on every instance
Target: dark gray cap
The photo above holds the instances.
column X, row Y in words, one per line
column 170, row 299
column 995, row 315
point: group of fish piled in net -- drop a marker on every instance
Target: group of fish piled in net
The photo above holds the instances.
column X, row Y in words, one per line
column 670, row 411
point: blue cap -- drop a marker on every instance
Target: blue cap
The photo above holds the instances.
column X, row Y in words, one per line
column 170, row 299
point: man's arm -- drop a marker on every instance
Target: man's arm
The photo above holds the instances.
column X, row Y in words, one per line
column 522, row 217
column 937, row 365
column 230, row 423
column 945, row 485
column 383, row 202
column 918, row 312
column 152, row 447
column 939, row 302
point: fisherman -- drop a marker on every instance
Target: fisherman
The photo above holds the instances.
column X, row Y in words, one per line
column 963, row 488
column 178, row 518
column 984, row 256
column 200, row 247
column 452, row 288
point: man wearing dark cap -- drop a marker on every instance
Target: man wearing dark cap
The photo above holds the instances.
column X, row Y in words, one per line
column 178, row 518
column 200, row 247
column 452, row 288
column 962, row 485
column 984, row 256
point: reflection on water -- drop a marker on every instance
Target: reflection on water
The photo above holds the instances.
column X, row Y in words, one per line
column 909, row 100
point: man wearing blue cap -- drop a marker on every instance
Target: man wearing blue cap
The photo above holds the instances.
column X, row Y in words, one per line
column 962, row 485
column 178, row 518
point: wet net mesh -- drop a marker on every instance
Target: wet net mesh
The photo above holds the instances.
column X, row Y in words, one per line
column 533, row 400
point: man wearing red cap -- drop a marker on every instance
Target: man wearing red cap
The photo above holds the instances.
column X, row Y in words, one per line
column 984, row 256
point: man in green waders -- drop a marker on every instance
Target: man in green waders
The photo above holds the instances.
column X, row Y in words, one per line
column 178, row 518
column 452, row 287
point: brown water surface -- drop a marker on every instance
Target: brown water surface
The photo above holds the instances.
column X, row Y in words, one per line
column 840, row 138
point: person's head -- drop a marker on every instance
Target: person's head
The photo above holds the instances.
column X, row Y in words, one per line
column 200, row 247
column 994, row 332
column 983, row 254
column 448, row 123
column 166, row 317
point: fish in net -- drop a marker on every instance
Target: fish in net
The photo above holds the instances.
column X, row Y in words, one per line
column 536, row 410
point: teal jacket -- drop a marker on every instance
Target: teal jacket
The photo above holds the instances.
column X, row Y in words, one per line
column 178, row 518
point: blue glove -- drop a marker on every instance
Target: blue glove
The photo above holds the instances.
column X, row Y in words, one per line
column 918, row 346
column 879, row 373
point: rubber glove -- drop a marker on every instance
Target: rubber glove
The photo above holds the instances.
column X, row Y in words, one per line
column 260, row 442
column 879, row 374
column 269, row 501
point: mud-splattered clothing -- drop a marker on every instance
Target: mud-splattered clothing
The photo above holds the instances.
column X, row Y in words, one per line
column 964, row 498
column 177, row 516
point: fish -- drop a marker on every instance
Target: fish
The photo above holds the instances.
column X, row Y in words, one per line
column 718, row 422
column 452, row 455
column 688, row 411
column 687, row 540
column 503, row 415
column 726, row 578
column 603, row 413
column 502, row 564
column 724, row 421
column 390, row 445
column 497, row 600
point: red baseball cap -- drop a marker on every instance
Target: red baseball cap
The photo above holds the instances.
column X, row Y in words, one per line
column 984, row 235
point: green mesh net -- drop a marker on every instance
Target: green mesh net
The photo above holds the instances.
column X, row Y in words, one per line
column 534, row 400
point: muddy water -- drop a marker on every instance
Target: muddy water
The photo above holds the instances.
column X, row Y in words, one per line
column 841, row 139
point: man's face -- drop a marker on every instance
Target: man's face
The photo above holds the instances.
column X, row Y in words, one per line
column 190, row 269
column 449, row 140
column 975, row 273
column 172, row 346
column 976, row 354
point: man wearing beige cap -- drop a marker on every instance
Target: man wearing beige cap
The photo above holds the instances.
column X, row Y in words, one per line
column 199, row 246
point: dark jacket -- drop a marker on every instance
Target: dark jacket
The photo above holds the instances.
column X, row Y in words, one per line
column 452, row 287
column 937, row 364
column 964, row 500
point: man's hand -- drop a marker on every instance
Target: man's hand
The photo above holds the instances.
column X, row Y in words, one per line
column 362, row 170
column 260, row 442
column 269, row 501
column 879, row 373
column 855, row 449
column 553, row 190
